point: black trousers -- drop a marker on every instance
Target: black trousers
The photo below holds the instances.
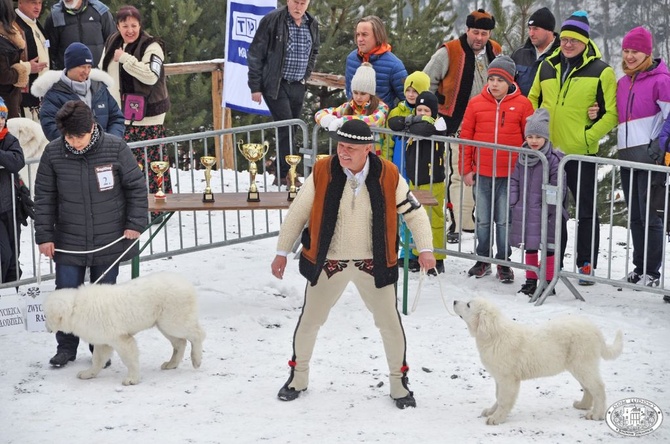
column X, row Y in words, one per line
column 585, row 215
column 287, row 105
column 9, row 247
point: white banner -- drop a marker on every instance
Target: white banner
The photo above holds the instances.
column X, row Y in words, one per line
column 243, row 19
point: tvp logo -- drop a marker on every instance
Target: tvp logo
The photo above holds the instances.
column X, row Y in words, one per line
column 244, row 26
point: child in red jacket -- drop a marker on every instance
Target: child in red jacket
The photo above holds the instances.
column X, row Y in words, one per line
column 497, row 115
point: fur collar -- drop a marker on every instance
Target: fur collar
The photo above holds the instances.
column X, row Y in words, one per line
column 47, row 80
column 16, row 38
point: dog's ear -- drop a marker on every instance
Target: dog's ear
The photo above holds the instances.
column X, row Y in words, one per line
column 485, row 316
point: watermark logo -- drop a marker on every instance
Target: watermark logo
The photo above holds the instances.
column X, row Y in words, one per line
column 634, row 417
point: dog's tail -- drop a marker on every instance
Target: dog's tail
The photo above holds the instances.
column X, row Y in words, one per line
column 613, row 351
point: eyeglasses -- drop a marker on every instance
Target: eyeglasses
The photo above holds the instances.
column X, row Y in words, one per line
column 569, row 42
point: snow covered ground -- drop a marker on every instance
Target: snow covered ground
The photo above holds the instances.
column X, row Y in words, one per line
column 249, row 317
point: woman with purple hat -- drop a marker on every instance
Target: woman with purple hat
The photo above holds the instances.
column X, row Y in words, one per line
column 643, row 103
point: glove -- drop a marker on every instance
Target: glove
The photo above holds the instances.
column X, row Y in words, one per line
column 655, row 152
column 25, row 207
column 336, row 124
column 412, row 119
column 667, row 159
column 326, row 120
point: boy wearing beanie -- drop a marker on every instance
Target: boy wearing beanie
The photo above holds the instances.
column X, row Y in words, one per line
column 646, row 84
column 568, row 83
column 542, row 41
column 425, row 164
column 497, row 115
column 525, row 199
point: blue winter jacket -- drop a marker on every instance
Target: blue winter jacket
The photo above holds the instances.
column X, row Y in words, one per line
column 55, row 93
column 390, row 73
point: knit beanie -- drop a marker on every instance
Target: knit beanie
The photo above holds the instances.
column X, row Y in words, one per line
column 537, row 124
column 418, row 80
column 638, row 39
column 4, row 111
column 577, row 27
column 480, row 19
column 364, row 79
column 77, row 54
column 503, row 66
column 543, row 18
column 428, row 99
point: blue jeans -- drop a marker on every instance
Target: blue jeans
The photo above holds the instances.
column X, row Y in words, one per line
column 644, row 219
column 287, row 105
column 491, row 205
column 72, row 276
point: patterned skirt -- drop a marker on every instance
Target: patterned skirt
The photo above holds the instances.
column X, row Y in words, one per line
column 153, row 152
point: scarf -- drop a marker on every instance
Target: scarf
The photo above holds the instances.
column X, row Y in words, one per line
column 377, row 50
column 94, row 139
column 82, row 89
column 3, row 132
column 645, row 65
column 528, row 160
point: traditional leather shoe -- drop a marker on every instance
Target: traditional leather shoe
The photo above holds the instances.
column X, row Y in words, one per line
column 287, row 393
column 406, row 401
column 61, row 359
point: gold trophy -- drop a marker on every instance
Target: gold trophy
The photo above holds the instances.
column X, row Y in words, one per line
column 322, row 156
column 293, row 160
column 159, row 167
column 208, row 162
column 253, row 152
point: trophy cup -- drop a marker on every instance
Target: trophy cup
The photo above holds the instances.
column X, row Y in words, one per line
column 159, row 167
column 208, row 162
column 253, row 152
column 322, row 156
column 293, row 160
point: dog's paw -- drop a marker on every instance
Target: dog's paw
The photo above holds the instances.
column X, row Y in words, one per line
column 169, row 365
column 581, row 405
column 130, row 381
column 495, row 419
column 87, row 374
column 594, row 416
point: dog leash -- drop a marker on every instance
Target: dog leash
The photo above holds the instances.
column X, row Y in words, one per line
column 39, row 270
column 422, row 275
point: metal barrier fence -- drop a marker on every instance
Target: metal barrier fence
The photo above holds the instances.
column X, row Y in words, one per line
column 218, row 228
column 209, row 228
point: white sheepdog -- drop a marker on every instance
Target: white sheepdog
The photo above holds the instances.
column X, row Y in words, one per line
column 512, row 352
column 108, row 316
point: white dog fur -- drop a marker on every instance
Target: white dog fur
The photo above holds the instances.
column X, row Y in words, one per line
column 108, row 316
column 32, row 141
column 512, row 352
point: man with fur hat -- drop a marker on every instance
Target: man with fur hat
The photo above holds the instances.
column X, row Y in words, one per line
column 542, row 41
column 569, row 82
column 78, row 81
column 349, row 205
column 457, row 72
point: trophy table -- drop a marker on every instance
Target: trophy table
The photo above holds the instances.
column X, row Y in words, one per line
column 208, row 162
column 159, row 167
column 253, row 152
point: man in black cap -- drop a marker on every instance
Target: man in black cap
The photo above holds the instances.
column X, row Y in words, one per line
column 542, row 41
column 349, row 205
column 457, row 72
